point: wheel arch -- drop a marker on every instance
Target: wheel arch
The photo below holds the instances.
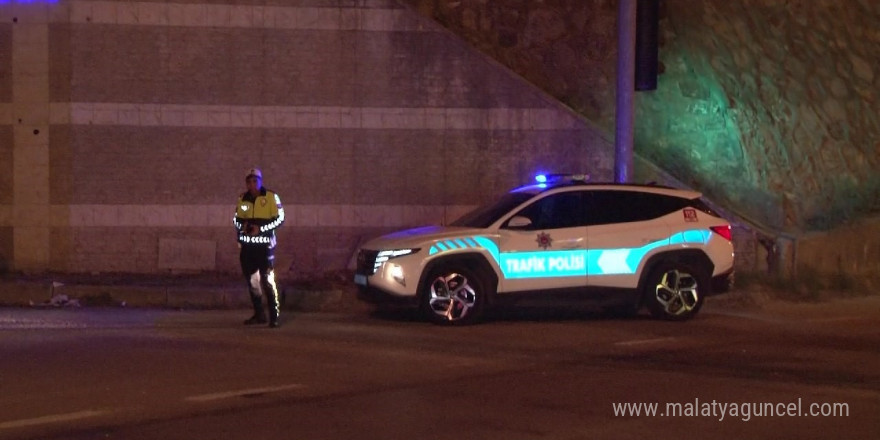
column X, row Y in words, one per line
column 473, row 260
column 692, row 257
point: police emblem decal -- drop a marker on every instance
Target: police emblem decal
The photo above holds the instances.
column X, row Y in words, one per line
column 544, row 240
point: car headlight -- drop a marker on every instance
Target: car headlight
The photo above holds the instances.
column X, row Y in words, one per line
column 391, row 253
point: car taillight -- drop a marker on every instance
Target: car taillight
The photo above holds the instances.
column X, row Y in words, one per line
column 723, row 231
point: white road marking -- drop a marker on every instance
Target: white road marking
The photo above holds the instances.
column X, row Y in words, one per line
column 747, row 315
column 51, row 419
column 242, row 393
column 644, row 341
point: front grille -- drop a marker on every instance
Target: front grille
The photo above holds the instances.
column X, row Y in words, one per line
column 366, row 263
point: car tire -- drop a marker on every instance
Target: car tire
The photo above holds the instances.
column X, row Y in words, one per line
column 453, row 294
column 675, row 291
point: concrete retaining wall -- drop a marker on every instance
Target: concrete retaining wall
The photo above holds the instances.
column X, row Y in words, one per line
column 849, row 255
column 130, row 126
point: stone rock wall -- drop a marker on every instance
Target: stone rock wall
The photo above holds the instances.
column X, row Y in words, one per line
column 769, row 107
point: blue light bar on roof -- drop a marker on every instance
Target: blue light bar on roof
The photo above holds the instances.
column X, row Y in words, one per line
column 551, row 178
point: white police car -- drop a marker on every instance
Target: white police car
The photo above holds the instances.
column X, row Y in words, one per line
column 620, row 245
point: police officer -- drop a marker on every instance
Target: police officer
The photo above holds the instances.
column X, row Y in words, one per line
column 258, row 214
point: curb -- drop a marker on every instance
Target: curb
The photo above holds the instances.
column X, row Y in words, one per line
column 17, row 293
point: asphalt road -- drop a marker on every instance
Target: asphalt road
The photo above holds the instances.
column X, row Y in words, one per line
column 100, row 373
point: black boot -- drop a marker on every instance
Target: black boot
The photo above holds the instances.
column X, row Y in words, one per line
column 259, row 315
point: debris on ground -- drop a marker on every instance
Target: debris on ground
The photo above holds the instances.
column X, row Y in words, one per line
column 58, row 301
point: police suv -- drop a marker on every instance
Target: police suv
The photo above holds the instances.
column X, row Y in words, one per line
column 620, row 245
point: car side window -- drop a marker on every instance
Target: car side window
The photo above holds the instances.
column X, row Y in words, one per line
column 561, row 210
column 614, row 206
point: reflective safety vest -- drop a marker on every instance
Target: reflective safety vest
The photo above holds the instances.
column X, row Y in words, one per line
column 263, row 211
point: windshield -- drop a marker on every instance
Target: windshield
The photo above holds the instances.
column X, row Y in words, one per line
column 484, row 216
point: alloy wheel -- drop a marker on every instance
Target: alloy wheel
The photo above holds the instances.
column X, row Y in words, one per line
column 451, row 297
column 677, row 293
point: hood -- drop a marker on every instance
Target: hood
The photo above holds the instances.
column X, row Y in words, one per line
column 419, row 237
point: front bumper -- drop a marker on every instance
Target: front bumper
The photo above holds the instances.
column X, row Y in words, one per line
column 393, row 281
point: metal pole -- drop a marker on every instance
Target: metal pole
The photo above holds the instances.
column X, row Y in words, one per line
column 623, row 139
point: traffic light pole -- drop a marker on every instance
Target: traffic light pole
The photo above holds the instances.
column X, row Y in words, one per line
column 624, row 131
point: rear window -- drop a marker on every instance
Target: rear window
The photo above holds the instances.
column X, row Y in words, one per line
column 700, row 205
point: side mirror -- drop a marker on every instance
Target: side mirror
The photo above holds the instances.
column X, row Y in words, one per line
column 519, row 222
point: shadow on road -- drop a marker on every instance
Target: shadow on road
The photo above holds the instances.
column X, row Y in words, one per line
column 516, row 314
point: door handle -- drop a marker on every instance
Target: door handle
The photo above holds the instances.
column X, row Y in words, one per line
column 571, row 244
